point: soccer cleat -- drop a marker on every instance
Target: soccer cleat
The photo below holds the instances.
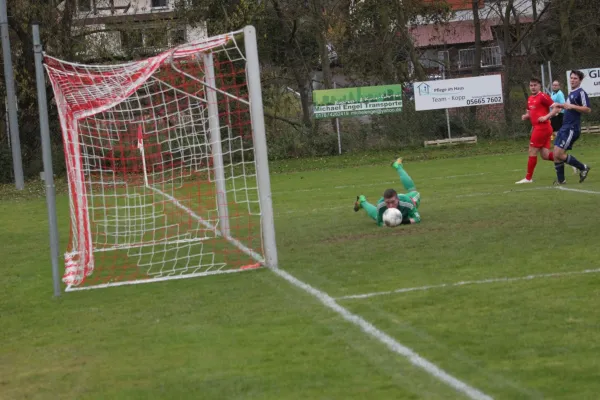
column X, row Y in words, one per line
column 397, row 162
column 524, row 180
column 359, row 200
column 557, row 183
column 583, row 174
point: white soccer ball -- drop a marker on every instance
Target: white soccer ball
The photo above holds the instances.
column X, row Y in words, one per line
column 392, row 217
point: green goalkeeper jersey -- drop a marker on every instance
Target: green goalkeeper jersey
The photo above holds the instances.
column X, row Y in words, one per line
column 407, row 204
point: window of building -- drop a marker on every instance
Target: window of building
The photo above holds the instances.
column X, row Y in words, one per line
column 159, row 3
column 85, row 5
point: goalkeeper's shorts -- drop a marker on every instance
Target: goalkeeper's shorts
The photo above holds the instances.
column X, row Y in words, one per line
column 415, row 197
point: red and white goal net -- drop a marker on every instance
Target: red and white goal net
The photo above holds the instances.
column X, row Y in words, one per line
column 166, row 164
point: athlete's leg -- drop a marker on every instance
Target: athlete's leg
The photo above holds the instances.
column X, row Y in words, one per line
column 561, row 144
column 531, row 162
column 547, row 154
column 361, row 202
column 406, row 180
column 564, row 141
column 545, row 151
column 571, row 160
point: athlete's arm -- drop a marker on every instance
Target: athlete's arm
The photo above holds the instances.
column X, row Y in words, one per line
column 413, row 218
column 380, row 210
column 553, row 111
column 581, row 109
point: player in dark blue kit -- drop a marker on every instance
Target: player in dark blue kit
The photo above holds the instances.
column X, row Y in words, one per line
column 577, row 102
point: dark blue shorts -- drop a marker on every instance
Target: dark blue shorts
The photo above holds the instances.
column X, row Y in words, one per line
column 566, row 136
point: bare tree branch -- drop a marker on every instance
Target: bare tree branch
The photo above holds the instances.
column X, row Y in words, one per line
column 295, row 124
column 529, row 28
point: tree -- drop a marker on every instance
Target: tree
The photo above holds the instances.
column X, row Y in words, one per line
column 566, row 37
column 514, row 33
column 62, row 37
column 297, row 58
column 380, row 46
column 477, row 45
column 572, row 33
column 22, row 15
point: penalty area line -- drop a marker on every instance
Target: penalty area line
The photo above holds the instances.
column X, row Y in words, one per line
column 563, row 188
column 384, row 338
column 566, row 189
column 466, row 283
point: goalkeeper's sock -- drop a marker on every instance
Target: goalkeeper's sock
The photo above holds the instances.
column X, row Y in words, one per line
column 560, row 171
column 406, row 180
column 369, row 208
column 572, row 161
column 531, row 163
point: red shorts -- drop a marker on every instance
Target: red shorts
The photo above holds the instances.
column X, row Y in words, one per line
column 540, row 137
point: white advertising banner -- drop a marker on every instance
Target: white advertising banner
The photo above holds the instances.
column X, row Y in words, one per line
column 461, row 92
column 590, row 83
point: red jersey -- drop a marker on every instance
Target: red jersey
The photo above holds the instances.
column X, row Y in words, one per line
column 539, row 106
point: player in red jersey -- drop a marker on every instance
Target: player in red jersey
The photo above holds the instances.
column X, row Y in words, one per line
column 538, row 111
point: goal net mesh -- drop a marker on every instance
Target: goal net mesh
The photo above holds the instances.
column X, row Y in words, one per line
column 160, row 164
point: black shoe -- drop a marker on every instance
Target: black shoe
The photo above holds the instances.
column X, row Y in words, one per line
column 557, row 183
column 583, row 174
column 357, row 204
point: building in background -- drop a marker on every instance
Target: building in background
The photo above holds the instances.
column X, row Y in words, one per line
column 453, row 44
column 131, row 28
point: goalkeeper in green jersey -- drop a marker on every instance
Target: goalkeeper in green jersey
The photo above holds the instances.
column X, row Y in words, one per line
column 408, row 203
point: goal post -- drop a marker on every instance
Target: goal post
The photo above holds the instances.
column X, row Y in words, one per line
column 166, row 163
column 260, row 143
column 215, row 142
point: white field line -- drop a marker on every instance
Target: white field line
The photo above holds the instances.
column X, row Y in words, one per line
column 567, row 189
column 298, row 190
column 458, row 176
column 476, row 194
column 314, row 210
column 425, row 180
column 366, row 185
column 392, row 182
column 576, row 190
column 465, row 283
column 384, row 338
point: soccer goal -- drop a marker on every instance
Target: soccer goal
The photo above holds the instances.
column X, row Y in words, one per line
column 167, row 164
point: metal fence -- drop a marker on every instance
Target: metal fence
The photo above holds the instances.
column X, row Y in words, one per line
column 490, row 57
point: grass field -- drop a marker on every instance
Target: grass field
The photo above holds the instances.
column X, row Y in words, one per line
column 499, row 286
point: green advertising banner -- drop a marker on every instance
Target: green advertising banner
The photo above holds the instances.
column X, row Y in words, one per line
column 349, row 102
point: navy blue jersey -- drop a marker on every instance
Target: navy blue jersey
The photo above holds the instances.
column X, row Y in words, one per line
column 577, row 97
